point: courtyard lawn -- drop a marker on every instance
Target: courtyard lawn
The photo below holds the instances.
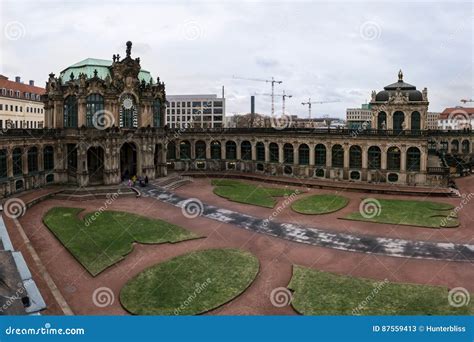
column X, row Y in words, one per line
column 410, row 212
column 322, row 293
column 241, row 192
column 101, row 242
column 190, row 284
column 319, row 204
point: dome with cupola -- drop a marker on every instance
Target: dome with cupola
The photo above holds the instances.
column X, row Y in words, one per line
column 400, row 87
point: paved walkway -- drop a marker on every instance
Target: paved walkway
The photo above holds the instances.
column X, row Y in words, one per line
column 320, row 236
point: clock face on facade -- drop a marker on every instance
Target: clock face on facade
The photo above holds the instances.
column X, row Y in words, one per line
column 128, row 111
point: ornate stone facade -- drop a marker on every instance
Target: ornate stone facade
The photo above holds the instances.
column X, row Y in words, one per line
column 105, row 123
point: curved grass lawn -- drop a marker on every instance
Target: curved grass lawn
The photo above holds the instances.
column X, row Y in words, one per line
column 190, row 284
column 249, row 193
column 412, row 213
column 323, row 293
column 319, row 204
column 101, row 242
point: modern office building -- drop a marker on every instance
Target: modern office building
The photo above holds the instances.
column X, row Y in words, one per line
column 359, row 117
column 20, row 104
column 432, row 120
column 195, row 111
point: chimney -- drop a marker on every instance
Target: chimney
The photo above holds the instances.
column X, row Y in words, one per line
column 32, row 83
column 17, row 79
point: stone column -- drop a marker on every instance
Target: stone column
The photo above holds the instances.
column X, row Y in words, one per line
column 383, row 158
column 254, row 151
column 9, row 163
column 81, row 111
column 311, row 154
column 267, row 152
column 280, row 153
column 403, row 159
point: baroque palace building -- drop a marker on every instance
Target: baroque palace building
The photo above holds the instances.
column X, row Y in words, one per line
column 105, row 122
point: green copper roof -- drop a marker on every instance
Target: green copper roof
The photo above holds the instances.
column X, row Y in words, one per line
column 88, row 65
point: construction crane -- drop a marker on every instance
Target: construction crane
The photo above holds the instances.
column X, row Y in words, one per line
column 283, row 96
column 272, row 81
column 466, row 101
column 309, row 103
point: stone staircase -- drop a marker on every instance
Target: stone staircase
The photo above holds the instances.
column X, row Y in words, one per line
column 172, row 182
column 98, row 192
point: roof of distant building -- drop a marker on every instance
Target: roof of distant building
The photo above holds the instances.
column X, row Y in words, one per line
column 457, row 112
column 18, row 86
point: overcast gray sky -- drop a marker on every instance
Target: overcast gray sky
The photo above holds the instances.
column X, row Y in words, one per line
column 323, row 50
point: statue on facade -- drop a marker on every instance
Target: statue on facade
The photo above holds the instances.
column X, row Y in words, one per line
column 374, row 94
column 129, row 48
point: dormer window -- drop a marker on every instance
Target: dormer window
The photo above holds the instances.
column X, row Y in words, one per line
column 27, row 95
column 17, row 93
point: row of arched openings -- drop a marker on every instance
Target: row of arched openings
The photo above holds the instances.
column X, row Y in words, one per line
column 31, row 159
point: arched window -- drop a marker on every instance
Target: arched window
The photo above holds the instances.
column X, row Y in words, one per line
column 48, row 158
column 17, row 162
column 230, row 150
column 465, row 146
column 374, row 158
column 303, row 154
column 95, row 115
column 200, row 149
column 320, row 155
column 246, row 150
column 3, row 164
column 171, row 151
column 215, row 150
column 274, row 153
column 32, row 160
column 413, row 159
column 382, row 120
column 184, row 150
column 260, row 151
column 288, row 155
column 455, row 146
column 70, row 112
column 398, row 121
column 355, row 157
column 156, row 113
column 393, row 158
column 337, row 156
column 415, row 121
column 128, row 112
